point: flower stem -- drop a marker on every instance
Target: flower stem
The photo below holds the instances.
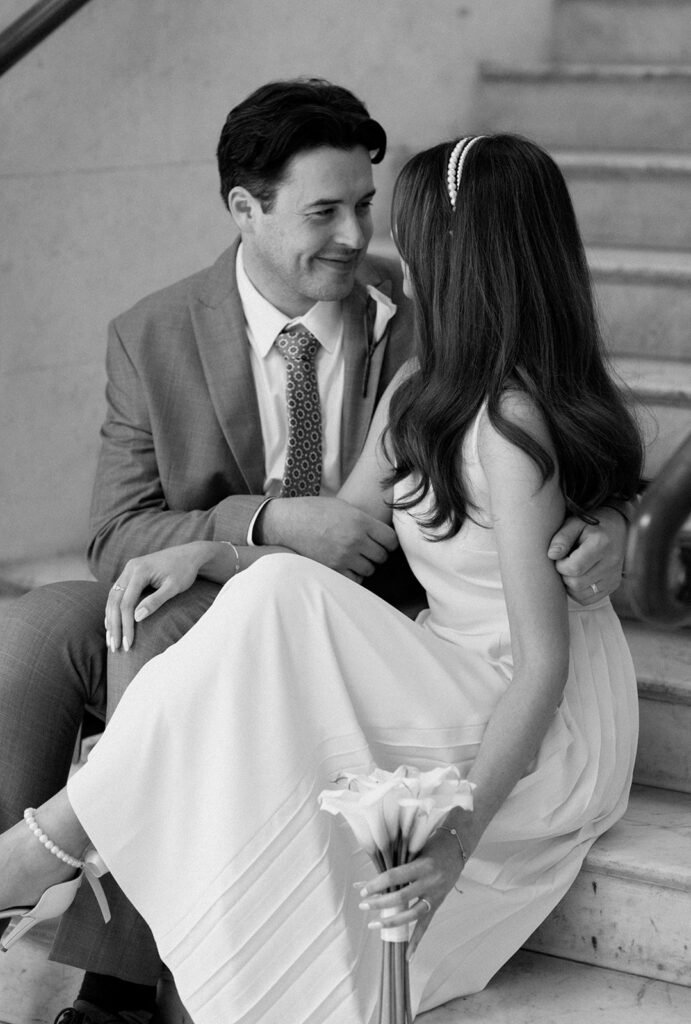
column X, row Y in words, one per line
column 394, row 986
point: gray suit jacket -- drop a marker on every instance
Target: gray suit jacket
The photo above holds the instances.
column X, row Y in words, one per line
column 182, row 455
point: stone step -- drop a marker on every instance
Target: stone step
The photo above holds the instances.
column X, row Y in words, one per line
column 33, row 989
column 630, row 907
column 644, row 297
column 630, row 199
column 663, row 670
column 662, row 389
column 532, row 988
column 622, row 30
column 537, row 989
column 589, row 106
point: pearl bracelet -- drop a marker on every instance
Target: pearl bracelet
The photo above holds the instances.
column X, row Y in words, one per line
column 237, row 556
column 30, row 819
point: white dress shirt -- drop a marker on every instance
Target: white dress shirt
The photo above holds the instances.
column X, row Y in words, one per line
column 264, row 323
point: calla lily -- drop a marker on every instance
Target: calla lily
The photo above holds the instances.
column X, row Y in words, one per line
column 386, row 809
column 365, row 820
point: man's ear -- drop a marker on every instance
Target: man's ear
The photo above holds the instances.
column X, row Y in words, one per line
column 244, row 208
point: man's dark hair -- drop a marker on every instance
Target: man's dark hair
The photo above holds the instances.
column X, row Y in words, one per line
column 281, row 119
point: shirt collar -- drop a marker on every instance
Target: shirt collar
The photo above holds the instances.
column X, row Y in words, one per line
column 265, row 322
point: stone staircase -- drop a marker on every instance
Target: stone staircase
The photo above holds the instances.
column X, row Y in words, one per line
column 614, row 107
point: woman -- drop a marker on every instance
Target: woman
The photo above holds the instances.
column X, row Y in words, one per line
column 202, row 795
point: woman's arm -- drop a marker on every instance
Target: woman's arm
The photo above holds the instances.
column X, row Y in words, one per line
column 525, row 514
column 365, row 488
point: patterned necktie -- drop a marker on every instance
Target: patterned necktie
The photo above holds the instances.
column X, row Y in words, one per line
column 303, row 465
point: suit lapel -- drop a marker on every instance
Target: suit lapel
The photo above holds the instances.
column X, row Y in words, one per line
column 362, row 372
column 219, row 326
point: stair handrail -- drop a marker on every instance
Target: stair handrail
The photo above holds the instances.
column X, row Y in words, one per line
column 27, row 31
column 658, row 569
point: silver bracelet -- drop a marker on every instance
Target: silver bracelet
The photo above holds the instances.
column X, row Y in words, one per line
column 237, row 556
column 464, row 856
column 30, row 819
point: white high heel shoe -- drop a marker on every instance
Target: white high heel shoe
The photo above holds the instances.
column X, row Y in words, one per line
column 57, row 898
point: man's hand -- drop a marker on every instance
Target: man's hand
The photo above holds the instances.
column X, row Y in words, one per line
column 590, row 558
column 328, row 530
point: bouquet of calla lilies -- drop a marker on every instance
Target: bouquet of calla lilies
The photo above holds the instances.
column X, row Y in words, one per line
column 392, row 815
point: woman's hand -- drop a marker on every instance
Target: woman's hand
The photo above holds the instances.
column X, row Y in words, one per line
column 167, row 572
column 424, row 882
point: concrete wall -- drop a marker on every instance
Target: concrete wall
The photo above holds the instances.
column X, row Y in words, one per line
column 108, row 183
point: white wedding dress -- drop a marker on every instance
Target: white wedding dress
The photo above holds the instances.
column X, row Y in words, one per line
column 202, row 794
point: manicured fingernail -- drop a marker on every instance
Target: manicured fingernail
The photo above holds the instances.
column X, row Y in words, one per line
column 112, row 645
column 373, row 925
column 141, row 613
column 125, row 644
column 107, row 638
column 364, row 906
column 364, row 892
column 558, row 549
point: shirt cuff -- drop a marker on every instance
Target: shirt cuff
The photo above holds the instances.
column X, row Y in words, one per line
column 250, row 530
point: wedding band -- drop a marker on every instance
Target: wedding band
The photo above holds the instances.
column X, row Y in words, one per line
column 594, row 588
column 429, row 905
column 116, row 586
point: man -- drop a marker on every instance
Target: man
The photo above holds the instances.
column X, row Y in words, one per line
column 204, row 438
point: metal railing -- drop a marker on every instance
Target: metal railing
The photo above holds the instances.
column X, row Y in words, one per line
column 659, row 549
column 30, row 28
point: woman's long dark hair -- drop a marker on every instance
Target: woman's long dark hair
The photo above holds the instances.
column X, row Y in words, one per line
column 503, row 301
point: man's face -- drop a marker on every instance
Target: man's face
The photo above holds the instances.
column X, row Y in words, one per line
column 308, row 246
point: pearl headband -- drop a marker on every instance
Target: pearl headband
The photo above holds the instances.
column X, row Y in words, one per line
column 455, row 168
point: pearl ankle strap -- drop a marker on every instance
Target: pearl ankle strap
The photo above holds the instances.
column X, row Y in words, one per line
column 30, row 819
